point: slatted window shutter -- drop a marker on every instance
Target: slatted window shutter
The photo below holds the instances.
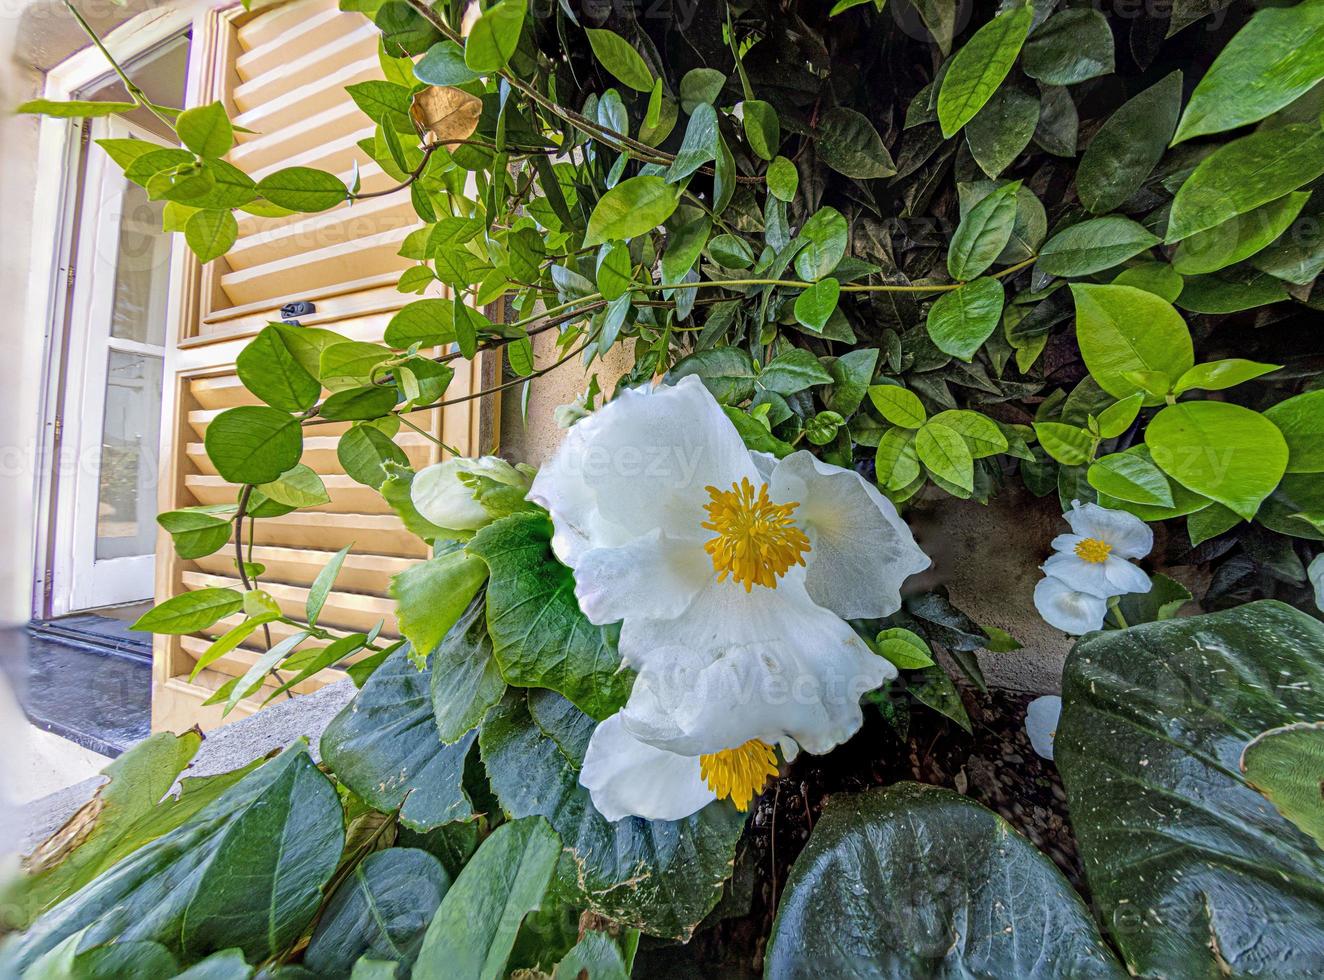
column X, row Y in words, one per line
column 282, row 74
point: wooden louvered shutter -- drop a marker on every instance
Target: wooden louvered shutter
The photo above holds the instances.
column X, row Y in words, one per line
column 282, row 74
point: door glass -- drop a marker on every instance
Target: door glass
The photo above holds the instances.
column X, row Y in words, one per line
column 142, row 271
column 126, row 503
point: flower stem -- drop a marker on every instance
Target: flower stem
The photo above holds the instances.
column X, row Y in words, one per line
column 1115, row 607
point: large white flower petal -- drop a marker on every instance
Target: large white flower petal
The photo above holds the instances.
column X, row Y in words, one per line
column 1066, row 609
column 1081, row 575
column 767, row 664
column 862, row 551
column 653, row 575
column 627, row 777
column 647, row 457
column 577, row 524
column 1125, row 577
column 1041, row 718
column 1129, row 536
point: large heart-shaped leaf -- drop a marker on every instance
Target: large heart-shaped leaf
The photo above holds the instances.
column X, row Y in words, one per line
column 1194, row 872
column 659, row 876
column 539, row 636
column 913, row 881
column 246, row 871
column 385, row 746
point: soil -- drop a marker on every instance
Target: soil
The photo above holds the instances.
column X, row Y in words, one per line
column 995, row 766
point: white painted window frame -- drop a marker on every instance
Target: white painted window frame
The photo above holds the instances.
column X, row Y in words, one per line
column 54, row 196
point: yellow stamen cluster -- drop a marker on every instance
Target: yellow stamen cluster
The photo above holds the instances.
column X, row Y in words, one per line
column 739, row 773
column 757, row 540
column 1094, row 551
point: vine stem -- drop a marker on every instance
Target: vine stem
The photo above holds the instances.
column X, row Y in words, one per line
column 239, row 514
column 138, row 95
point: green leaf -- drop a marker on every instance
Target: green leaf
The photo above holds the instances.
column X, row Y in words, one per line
column 983, row 234
column 980, row 432
column 1093, row 245
column 896, row 463
column 783, row 179
column 253, row 443
column 1117, row 418
column 659, row 876
column 539, row 636
column 1213, row 294
column 1218, row 375
column 363, row 452
column 848, row 143
column 474, row 930
column 1237, row 238
column 1153, row 277
column 351, row 364
column 700, row 85
column 898, row 405
column 1209, row 523
column 381, row 910
column 946, row 454
column 824, row 236
column 384, row 746
column 861, row 897
column 1276, row 57
column 1068, row 444
column 210, row 234
column 763, row 129
column 1184, row 501
column 1002, row 129
column 1301, row 421
column 1284, row 764
column 755, row 433
column 961, row 320
column 793, row 371
column 444, row 65
column 621, row 59
column 1130, row 477
column 466, row 680
column 77, row 109
column 269, row 369
column 494, row 36
column 1071, row 46
column 933, row 688
column 1241, row 175
column 321, row 587
column 426, row 322
column 1123, row 330
column 189, row 612
column 1128, row 146
column 206, row 130
column 245, row 871
column 299, row 486
column 197, row 532
column 700, row 145
column 432, row 595
column 727, row 372
column 1154, row 722
column 631, row 208
column 906, row 650
column 360, row 404
column 851, row 374
column 1223, row 451
column 816, row 304
column 303, row 189
column 386, row 103
column 976, row 71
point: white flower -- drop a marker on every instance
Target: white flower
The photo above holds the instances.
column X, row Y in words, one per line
column 446, row 493
column 1091, row 565
column 733, row 574
column 1041, row 719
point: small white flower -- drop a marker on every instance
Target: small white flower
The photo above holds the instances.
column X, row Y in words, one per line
column 1093, row 558
column 1070, row 611
column 733, row 574
column 1316, row 574
column 1041, row 719
column 440, row 492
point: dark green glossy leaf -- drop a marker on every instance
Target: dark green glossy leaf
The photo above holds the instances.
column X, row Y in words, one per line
column 1129, row 144
column 914, row 880
column 1093, row 245
column 976, row 71
column 1071, row 46
column 848, row 143
column 1002, row 129
column 1153, row 728
column 253, row 443
column 961, row 320
column 268, row 368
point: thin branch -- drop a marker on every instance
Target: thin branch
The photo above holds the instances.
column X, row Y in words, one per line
column 138, row 95
column 239, row 515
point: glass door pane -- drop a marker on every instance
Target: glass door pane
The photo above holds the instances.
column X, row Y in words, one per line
column 130, row 435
